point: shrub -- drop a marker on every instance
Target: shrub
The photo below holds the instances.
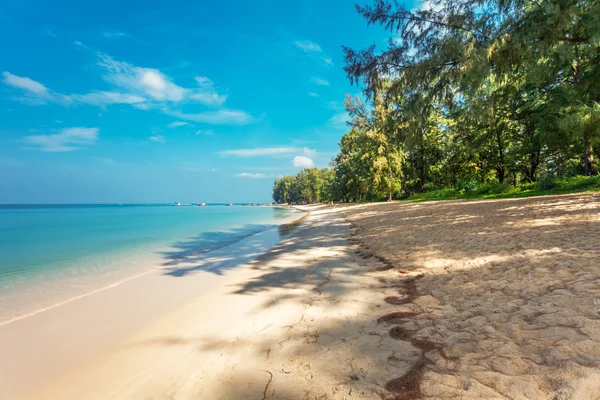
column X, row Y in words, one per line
column 547, row 182
column 468, row 185
column 491, row 188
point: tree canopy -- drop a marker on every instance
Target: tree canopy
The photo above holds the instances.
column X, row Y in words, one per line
column 469, row 91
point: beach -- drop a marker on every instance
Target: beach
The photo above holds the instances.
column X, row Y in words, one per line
column 477, row 299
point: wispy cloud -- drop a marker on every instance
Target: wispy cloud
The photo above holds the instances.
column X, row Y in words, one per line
column 99, row 98
column 114, row 34
column 319, row 81
column 145, row 88
column 340, row 120
column 26, row 84
column 313, row 94
column 219, row 117
column 309, row 152
column 250, row 175
column 207, row 93
column 33, row 92
column 314, row 50
column 205, row 132
column 269, row 151
column 154, row 85
column 303, row 162
column 257, row 152
column 67, row 139
column 146, row 82
column 48, row 32
column 157, row 138
column 177, row 124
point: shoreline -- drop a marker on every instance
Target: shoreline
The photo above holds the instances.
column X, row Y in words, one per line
column 105, row 316
column 265, row 298
column 121, row 280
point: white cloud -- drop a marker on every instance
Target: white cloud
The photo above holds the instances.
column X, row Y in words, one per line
column 257, row 152
column 48, row 32
column 157, row 138
column 142, row 81
column 270, row 152
column 205, row 132
column 99, row 98
column 319, row 81
column 26, row 84
column 207, row 93
column 310, row 152
column 252, row 176
column 313, row 94
column 67, row 140
column 35, row 93
column 219, row 117
column 340, row 120
column 114, row 35
column 153, row 84
column 433, row 5
column 177, row 124
column 303, row 162
column 143, row 88
column 314, row 50
column 308, row 46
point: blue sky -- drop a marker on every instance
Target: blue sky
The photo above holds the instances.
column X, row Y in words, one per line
column 170, row 101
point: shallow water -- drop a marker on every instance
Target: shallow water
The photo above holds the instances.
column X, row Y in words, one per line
column 51, row 253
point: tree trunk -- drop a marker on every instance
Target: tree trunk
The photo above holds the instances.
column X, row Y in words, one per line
column 534, row 153
column 500, row 173
column 390, row 197
column 588, row 158
column 501, row 170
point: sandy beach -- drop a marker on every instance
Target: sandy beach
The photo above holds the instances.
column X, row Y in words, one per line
column 479, row 299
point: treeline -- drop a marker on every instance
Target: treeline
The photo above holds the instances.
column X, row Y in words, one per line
column 311, row 185
column 468, row 92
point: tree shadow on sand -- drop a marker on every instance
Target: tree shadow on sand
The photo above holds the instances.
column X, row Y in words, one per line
column 495, row 299
column 202, row 252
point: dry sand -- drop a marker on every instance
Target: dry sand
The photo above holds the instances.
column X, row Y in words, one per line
column 494, row 299
column 502, row 297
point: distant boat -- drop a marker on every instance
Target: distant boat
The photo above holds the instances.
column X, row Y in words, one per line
column 229, row 204
column 177, row 204
column 201, row 204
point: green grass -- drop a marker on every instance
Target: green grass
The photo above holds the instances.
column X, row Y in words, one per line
column 545, row 186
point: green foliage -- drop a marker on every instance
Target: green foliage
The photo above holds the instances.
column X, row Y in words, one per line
column 487, row 191
column 547, row 182
column 481, row 97
column 310, row 185
column 468, row 185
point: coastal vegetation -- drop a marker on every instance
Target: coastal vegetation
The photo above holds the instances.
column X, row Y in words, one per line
column 470, row 98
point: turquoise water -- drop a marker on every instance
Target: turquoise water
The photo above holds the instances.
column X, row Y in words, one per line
column 51, row 251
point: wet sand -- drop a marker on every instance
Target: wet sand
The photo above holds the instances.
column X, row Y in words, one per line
column 483, row 299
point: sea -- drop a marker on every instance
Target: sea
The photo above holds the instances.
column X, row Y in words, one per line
column 53, row 253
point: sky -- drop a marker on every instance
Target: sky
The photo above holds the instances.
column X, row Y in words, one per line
column 152, row 102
